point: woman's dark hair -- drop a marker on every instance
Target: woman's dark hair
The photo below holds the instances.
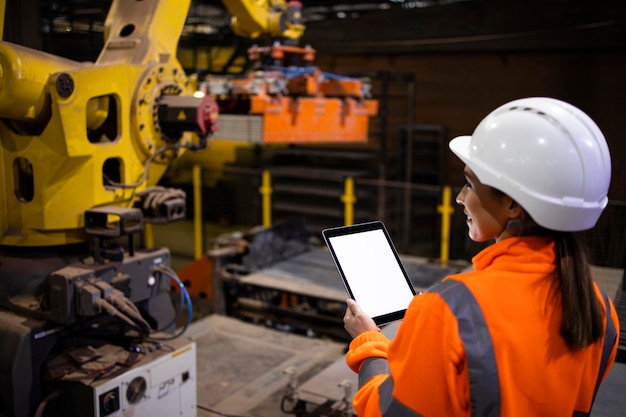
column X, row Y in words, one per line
column 581, row 323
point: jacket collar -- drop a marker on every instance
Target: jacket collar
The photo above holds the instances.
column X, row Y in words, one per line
column 525, row 253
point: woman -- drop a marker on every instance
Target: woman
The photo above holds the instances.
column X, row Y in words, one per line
column 528, row 332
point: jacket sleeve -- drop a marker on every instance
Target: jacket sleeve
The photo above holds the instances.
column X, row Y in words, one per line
column 366, row 345
column 367, row 356
column 421, row 371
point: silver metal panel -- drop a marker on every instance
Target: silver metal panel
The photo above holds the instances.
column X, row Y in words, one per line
column 240, row 127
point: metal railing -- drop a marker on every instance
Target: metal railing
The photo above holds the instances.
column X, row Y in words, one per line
column 422, row 219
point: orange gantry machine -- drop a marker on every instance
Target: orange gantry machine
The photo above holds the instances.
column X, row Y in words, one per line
column 294, row 104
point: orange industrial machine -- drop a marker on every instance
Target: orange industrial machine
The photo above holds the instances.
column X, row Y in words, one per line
column 292, row 104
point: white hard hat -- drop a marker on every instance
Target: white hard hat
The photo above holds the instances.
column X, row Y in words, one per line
column 547, row 155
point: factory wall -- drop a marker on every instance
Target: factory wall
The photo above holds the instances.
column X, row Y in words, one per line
column 456, row 90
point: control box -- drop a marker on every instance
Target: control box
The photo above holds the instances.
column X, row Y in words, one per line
column 151, row 379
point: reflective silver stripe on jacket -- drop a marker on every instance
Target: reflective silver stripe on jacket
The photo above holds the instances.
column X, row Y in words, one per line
column 372, row 367
column 389, row 406
column 610, row 336
column 484, row 383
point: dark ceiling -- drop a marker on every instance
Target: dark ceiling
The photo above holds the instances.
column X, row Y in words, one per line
column 359, row 27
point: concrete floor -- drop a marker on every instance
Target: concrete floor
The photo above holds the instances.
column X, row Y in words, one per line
column 245, row 369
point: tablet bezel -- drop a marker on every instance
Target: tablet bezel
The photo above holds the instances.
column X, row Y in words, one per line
column 329, row 233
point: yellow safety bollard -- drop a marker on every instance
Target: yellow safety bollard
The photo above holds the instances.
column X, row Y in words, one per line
column 348, row 199
column 446, row 210
column 197, row 212
column 266, row 196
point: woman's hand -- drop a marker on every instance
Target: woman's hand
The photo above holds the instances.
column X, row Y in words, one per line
column 356, row 321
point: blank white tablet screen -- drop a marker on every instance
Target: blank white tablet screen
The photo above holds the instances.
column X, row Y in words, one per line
column 372, row 271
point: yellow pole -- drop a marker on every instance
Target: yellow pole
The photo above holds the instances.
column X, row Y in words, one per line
column 3, row 7
column 348, row 199
column 198, row 247
column 148, row 236
column 446, row 211
column 266, row 196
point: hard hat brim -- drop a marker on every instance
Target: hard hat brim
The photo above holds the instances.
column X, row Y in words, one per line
column 460, row 146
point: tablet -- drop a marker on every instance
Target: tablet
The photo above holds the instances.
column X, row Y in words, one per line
column 371, row 269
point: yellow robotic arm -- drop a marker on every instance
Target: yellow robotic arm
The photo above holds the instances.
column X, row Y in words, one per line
column 266, row 18
column 76, row 135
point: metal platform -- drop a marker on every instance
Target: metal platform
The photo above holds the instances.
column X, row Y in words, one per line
column 304, row 292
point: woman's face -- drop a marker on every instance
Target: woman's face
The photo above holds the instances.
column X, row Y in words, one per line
column 487, row 212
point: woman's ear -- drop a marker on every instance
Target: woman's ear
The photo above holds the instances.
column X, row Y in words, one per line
column 515, row 210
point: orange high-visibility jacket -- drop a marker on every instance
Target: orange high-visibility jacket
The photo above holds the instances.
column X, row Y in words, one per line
column 485, row 343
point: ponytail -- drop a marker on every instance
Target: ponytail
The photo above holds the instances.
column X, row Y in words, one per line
column 581, row 322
